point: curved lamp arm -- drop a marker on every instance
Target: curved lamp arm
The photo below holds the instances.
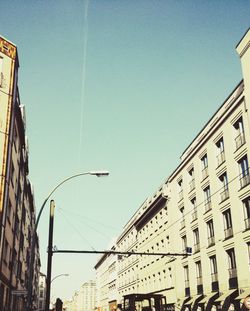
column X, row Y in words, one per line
column 95, row 173
column 63, row 274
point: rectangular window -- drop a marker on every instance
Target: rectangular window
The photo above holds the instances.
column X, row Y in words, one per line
column 186, row 276
column 180, row 185
column 198, row 272
column 207, row 198
column 210, row 232
column 204, row 163
column 184, row 243
column 231, row 263
column 239, row 133
column 224, row 185
column 191, row 177
column 221, row 151
column 244, row 171
column 196, row 240
column 246, row 205
column 194, row 213
column 214, row 271
column 228, row 227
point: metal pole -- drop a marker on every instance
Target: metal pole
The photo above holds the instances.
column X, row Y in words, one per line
column 50, row 254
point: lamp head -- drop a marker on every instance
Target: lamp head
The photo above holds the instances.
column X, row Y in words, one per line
column 99, row 173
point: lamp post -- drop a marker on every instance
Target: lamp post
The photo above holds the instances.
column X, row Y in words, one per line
column 33, row 237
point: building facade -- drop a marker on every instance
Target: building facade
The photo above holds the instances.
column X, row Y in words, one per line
column 17, row 207
column 84, row 299
column 205, row 205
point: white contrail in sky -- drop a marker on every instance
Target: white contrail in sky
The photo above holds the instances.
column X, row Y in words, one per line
column 82, row 99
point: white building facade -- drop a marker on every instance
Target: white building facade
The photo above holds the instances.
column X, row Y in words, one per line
column 203, row 204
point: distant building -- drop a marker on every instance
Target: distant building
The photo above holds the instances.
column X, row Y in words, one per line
column 42, row 292
column 17, row 207
column 84, row 299
column 204, row 204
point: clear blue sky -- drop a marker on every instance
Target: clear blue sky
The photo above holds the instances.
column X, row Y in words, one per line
column 155, row 72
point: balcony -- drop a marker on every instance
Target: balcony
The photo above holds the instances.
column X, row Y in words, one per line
column 221, row 158
column 196, row 247
column 240, row 140
column 224, row 195
column 211, row 241
column 208, row 205
column 182, row 223
column 194, row 215
column 199, row 280
column 245, row 180
column 247, row 223
column 204, row 173
column 232, row 273
column 214, row 277
column 228, row 232
column 192, row 184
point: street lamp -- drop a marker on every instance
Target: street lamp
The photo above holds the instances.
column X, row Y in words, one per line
column 57, row 276
column 33, row 237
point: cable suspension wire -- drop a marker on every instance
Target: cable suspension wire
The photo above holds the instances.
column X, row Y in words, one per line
column 76, row 230
column 91, row 227
column 108, row 226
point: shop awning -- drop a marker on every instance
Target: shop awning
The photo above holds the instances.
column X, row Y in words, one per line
column 193, row 300
column 244, row 294
column 225, row 295
column 208, row 297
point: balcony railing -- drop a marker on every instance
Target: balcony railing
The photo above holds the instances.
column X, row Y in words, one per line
column 211, row 241
column 224, row 195
column 228, row 232
column 240, row 140
column 196, row 247
column 214, row 277
column 232, row 273
column 247, row 223
column 192, row 184
column 194, row 215
column 204, row 173
column 245, row 180
column 221, row 158
column 182, row 223
column 199, row 280
column 208, row 205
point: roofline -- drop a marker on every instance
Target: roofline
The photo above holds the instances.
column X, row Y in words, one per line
column 242, row 38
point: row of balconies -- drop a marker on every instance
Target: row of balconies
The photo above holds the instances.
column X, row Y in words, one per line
column 228, row 233
column 232, row 280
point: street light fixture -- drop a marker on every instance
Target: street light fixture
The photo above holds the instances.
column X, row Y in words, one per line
column 33, row 237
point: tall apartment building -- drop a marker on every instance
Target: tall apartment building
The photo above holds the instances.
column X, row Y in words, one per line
column 84, row 299
column 17, row 207
column 203, row 204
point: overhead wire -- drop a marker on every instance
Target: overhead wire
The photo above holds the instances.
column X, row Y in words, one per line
column 75, row 229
